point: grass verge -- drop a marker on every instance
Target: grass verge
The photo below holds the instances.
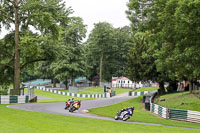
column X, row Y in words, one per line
column 55, row 97
column 18, row 121
column 146, row 89
column 139, row 115
column 181, row 100
column 98, row 90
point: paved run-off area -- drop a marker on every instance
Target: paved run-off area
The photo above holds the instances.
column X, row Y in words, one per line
column 58, row 108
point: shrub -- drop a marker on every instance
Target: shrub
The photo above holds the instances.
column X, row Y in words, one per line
column 3, row 92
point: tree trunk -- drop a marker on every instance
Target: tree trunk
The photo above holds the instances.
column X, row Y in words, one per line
column 72, row 81
column 54, row 82
column 100, row 72
column 66, row 84
column 161, row 88
column 190, row 86
column 17, row 57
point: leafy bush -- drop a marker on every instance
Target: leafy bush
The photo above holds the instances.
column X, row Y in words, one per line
column 3, row 92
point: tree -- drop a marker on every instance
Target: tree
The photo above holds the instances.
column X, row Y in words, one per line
column 115, row 53
column 141, row 64
column 6, row 61
column 44, row 16
column 180, row 38
column 123, row 40
column 70, row 59
column 100, row 43
column 169, row 24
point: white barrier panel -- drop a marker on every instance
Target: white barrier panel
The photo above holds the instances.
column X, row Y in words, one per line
column 5, row 100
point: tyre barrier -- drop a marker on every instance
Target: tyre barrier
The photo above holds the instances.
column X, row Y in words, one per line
column 175, row 114
column 13, row 99
column 106, row 95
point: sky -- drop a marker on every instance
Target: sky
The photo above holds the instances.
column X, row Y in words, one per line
column 94, row 11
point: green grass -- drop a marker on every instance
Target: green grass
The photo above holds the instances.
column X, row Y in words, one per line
column 146, row 89
column 182, row 100
column 98, row 90
column 121, row 90
column 55, row 97
column 139, row 115
column 18, row 121
column 88, row 90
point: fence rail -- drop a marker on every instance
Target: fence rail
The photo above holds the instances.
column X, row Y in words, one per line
column 13, row 99
column 131, row 93
column 105, row 95
column 175, row 114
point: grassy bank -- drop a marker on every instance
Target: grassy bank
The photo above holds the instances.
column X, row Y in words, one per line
column 146, row 89
column 182, row 100
column 17, row 121
column 55, row 97
column 140, row 115
column 98, row 90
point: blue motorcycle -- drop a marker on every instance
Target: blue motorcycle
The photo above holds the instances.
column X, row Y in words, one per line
column 124, row 114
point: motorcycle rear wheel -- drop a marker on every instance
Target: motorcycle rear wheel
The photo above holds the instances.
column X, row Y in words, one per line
column 71, row 110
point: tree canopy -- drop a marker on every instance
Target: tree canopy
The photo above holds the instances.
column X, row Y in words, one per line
column 173, row 28
column 29, row 47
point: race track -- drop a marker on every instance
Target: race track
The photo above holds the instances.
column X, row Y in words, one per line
column 58, row 108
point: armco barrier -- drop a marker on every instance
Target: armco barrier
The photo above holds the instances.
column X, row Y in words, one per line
column 13, row 99
column 106, row 95
column 175, row 114
column 131, row 93
column 159, row 110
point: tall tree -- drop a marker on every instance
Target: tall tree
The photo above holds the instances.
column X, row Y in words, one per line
column 179, row 55
column 123, row 40
column 115, row 54
column 44, row 16
column 145, row 26
column 70, row 61
column 169, row 23
column 100, row 41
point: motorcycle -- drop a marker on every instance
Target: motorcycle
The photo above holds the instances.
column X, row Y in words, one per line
column 68, row 103
column 75, row 106
column 124, row 114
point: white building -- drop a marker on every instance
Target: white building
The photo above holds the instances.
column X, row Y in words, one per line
column 123, row 82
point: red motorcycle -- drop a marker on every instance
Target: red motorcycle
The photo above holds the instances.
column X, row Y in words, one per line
column 75, row 106
column 68, row 103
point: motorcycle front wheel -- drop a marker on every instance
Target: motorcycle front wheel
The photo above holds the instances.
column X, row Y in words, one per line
column 126, row 117
column 116, row 118
column 66, row 107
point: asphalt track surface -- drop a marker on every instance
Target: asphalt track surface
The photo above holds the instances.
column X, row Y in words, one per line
column 58, row 108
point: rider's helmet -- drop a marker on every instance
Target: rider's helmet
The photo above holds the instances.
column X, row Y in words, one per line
column 132, row 107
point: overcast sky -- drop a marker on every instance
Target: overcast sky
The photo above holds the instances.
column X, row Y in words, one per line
column 94, row 11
